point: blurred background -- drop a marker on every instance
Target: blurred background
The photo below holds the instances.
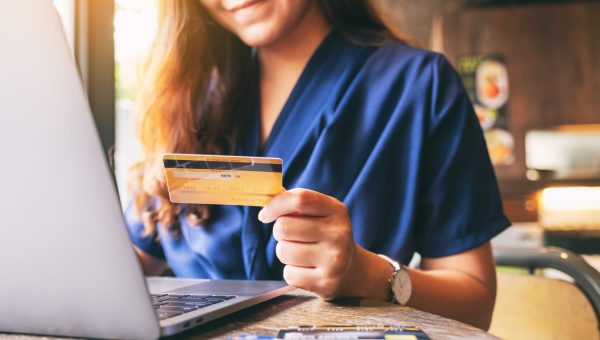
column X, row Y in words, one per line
column 532, row 69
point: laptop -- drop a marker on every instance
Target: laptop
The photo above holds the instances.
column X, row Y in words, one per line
column 67, row 265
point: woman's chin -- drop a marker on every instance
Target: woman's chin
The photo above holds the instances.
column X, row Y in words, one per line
column 258, row 36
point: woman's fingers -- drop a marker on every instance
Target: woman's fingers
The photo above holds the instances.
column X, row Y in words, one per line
column 298, row 228
column 299, row 202
column 312, row 280
column 301, row 277
column 332, row 257
column 298, row 254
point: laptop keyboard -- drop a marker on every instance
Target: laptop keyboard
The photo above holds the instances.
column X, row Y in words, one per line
column 169, row 305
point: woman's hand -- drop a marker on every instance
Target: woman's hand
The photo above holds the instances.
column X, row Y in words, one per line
column 317, row 247
column 315, row 242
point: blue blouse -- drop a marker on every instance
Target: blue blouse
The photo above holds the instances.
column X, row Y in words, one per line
column 387, row 130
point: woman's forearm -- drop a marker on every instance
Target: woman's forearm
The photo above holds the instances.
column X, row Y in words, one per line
column 447, row 292
column 453, row 294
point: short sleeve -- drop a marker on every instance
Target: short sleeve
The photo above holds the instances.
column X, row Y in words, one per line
column 149, row 244
column 459, row 207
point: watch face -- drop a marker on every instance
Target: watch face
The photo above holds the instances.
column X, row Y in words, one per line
column 402, row 286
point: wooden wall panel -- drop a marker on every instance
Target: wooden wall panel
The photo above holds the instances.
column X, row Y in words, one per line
column 553, row 56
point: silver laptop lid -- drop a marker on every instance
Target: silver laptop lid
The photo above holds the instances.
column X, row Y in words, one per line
column 66, row 262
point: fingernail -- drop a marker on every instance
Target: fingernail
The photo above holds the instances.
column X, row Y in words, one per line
column 261, row 215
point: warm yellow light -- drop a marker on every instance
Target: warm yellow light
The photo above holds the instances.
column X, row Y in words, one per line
column 135, row 26
column 570, row 199
column 574, row 208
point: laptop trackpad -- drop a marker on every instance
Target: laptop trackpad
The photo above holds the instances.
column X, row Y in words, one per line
column 231, row 287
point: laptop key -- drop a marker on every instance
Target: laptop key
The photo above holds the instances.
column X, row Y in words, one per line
column 159, row 302
column 184, row 304
column 224, row 297
column 197, row 299
column 173, row 300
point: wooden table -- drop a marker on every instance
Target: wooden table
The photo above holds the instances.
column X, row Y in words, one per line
column 302, row 308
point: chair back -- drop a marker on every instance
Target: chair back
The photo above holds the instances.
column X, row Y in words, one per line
column 535, row 307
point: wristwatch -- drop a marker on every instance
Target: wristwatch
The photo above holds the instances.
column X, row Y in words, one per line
column 400, row 285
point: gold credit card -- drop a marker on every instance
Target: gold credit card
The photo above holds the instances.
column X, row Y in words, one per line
column 226, row 180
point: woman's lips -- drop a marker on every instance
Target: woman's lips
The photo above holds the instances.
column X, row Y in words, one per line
column 234, row 6
column 246, row 12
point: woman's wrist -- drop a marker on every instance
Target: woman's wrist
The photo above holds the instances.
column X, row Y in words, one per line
column 368, row 276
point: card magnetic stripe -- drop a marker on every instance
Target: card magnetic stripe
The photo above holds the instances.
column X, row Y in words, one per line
column 212, row 165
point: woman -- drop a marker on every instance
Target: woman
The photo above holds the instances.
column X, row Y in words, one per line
column 379, row 142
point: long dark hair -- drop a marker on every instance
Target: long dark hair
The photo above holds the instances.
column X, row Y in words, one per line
column 196, row 79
